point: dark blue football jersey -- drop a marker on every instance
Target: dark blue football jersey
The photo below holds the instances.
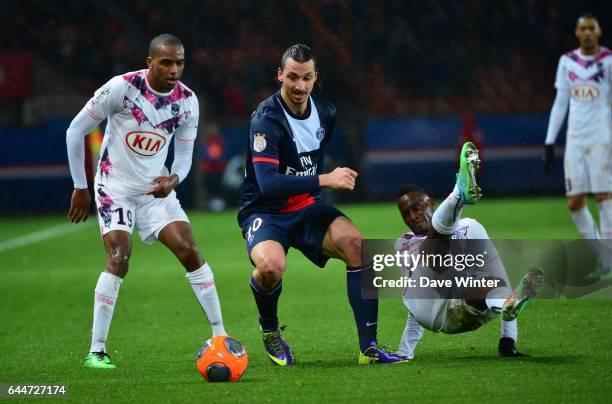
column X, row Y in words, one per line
column 285, row 156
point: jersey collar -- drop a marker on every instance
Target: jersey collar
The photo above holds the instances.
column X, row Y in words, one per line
column 288, row 110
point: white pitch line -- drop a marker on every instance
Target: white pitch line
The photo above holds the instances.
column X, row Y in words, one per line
column 41, row 235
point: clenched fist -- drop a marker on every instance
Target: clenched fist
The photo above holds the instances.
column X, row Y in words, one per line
column 340, row 178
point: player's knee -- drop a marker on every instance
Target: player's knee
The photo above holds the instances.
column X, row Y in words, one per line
column 187, row 252
column 117, row 262
column 352, row 249
column 575, row 204
column 271, row 267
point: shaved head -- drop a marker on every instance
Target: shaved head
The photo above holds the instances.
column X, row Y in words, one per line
column 163, row 40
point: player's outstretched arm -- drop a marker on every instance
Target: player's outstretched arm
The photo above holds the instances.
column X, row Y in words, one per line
column 340, row 178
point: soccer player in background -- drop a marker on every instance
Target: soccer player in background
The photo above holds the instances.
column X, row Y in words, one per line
column 475, row 307
column 281, row 204
column 583, row 81
column 145, row 109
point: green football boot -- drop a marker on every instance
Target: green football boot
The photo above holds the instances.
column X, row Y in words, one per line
column 98, row 360
column 469, row 161
column 519, row 299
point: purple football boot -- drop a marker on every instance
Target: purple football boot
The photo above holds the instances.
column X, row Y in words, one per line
column 276, row 347
column 376, row 353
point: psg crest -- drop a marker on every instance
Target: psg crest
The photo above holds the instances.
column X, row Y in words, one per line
column 259, row 142
column 320, row 133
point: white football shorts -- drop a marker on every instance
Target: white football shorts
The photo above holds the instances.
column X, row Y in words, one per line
column 449, row 316
column 454, row 315
column 120, row 210
column 588, row 168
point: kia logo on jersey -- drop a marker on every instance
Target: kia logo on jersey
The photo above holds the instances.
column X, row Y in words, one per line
column 584, row 93
column 145, row 143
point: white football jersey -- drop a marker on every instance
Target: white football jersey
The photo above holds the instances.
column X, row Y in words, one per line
column 141, row 124
column 429, row 309
column 467, row 229
column 589, row 81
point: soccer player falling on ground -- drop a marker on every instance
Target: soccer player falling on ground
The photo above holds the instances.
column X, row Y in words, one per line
column 282, row 207
column 475, row 307
column 145, row 109
column 584, row 81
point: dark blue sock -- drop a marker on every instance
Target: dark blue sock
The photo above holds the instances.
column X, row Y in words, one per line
column 365, row 310
column 267, row 304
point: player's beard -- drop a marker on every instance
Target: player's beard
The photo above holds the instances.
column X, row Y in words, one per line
column 299, row 98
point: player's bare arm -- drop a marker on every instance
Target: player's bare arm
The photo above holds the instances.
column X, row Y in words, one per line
column 162, row 186
column 342, row 178
column 79, row 205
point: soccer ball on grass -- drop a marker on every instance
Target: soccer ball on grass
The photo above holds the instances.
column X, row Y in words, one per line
column 222, row 359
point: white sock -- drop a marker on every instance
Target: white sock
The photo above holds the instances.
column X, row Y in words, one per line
column 107, row 290
column 588, row 230
column 444, row 219
column 509, row 329
column 203, row 284
column 411, row 337
column 495, row 304
column 605, row 218
column 605, row 225
column 585, row 224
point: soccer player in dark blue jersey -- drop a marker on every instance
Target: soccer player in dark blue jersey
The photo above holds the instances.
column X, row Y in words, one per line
column 282, row 206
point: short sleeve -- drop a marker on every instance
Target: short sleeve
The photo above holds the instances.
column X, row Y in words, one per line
column 561, row 81
column 107, row 99
column 189, row 130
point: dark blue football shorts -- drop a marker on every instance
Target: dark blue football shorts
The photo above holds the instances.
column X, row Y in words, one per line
column 304, row 229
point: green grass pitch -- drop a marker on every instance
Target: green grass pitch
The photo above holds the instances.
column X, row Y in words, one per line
column 46, row 296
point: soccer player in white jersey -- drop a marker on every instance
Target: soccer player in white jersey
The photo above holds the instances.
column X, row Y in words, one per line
column 476, row 306
column 583, row 82
column 145, row 110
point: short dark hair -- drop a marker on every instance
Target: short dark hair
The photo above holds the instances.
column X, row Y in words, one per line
column 405, row 189
column 163, row 40
column 587, row 16
column 300, row 53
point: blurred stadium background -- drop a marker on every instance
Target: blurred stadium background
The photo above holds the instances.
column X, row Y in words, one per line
column 411, row 80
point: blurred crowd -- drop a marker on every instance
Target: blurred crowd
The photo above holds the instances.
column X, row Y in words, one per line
column 383, row 58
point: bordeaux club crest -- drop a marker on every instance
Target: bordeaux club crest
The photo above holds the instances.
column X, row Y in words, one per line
column 175, row 109
column 259, row 142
